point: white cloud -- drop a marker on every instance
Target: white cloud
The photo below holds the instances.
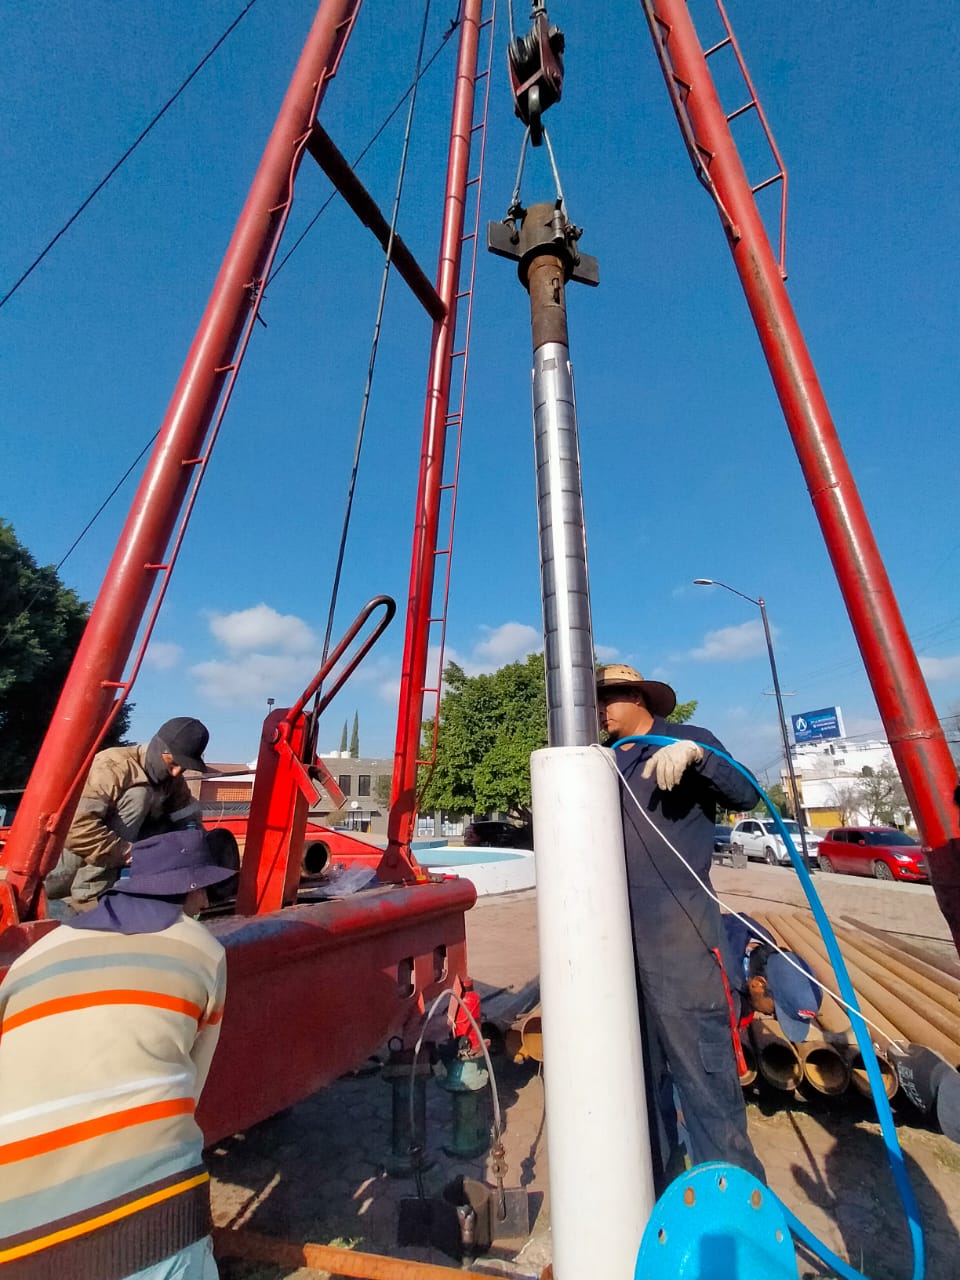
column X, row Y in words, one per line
column 389, row 691
column 162, row 655
column 261, row 628
column 731, row 644
column 507, row 643
column 941, row 668
column 606, row 652
column 251, row 679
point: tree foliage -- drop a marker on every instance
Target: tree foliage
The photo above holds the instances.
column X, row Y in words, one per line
column 41, row 622
column 883, row 798
column 877, row 793
column 489, row 726
column 355, row 737
column 343, row 739
column 682, row 712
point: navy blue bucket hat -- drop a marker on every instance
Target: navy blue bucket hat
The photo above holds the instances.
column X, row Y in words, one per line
column 171, row 865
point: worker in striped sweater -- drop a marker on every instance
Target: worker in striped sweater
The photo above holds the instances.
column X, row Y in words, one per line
column 108, row 1026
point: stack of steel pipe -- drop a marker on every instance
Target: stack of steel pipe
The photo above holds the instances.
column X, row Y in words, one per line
column 904, row 999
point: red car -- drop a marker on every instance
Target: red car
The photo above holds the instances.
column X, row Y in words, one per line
column 882, row 852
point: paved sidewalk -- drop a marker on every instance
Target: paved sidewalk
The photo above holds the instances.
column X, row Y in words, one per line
column 316, row 1173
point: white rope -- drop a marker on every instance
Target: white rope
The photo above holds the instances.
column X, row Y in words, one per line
column 751, row 925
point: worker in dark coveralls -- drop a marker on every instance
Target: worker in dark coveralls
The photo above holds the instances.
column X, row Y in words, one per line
column 130, row 793
column 676, row 927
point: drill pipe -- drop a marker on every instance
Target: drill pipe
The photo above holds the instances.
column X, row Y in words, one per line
column 818, row 962
column 777, row 1059
column 936, row 983
column 940, row 1007
column 944, row 964
column 824, row 1069
column 910, row 1024
column 861, row 1082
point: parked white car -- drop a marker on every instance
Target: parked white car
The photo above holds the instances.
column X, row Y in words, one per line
column 758, row 838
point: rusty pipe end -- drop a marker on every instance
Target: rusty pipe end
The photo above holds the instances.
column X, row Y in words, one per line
column 861, row 1082
column 824, row 1069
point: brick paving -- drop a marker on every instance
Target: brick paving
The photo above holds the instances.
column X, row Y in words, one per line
column 318, row 1171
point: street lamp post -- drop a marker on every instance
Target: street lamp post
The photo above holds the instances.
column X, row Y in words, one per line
column 794, row 789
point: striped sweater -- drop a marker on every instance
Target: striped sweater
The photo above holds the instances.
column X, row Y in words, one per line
column 105, row 1043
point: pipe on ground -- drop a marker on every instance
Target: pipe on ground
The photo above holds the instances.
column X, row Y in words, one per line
column 934, row 983
column 777, row 1059
column 916, row 992
column 944, row 964
column 861, row 1082
column 909, row 1023
column 820, row 964
column 252, row 1247
column 824, row 1068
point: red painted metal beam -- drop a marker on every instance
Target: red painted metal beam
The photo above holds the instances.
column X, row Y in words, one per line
column 398, row 861
column 88, row 695
column 337, row 168
column 913, row 731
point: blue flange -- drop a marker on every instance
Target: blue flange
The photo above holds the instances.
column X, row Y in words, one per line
column 716, row 1222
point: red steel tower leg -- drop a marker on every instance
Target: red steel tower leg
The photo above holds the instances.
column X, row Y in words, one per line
column 50, row 798
column 913, row 731
column 398, row 862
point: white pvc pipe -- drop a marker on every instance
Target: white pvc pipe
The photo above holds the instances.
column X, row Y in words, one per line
column 601, row 1181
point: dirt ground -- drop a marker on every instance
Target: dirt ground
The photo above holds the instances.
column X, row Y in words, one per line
column 324, row 1170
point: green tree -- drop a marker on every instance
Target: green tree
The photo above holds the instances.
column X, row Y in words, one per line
column 41, row 622
column 355, row 736
column 489, row 726
column 682, row 712
column 882, row 795
column 778, row 796
column 343, row 739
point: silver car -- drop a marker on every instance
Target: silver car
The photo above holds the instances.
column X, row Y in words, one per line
column 759, row 838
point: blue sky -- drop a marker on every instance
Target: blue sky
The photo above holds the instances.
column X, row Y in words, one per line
column 688, row 468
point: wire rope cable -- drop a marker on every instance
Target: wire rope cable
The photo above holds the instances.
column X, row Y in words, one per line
column 272, row 276
column 864, row 1042
column 126, row 155
column 375, row 340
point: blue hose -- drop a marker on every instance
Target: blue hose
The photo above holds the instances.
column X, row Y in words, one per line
column 865, row 1044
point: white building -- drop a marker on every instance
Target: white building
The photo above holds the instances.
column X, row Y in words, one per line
column 828, row 773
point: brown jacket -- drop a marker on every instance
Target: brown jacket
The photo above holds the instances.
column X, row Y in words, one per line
column 118, row 799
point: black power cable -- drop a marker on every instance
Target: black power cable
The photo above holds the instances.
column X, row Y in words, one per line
column 126, row 155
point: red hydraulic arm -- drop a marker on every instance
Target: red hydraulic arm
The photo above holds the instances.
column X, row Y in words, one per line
column 284, row 790
column 398, row 863
column 913, row 731
column 142, row 555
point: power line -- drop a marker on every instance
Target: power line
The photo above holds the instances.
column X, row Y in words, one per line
column 126, row 155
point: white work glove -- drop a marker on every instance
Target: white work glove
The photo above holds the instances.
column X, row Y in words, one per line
column 670, row 762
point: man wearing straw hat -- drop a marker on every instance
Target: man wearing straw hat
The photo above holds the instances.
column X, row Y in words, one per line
column 669, row 797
